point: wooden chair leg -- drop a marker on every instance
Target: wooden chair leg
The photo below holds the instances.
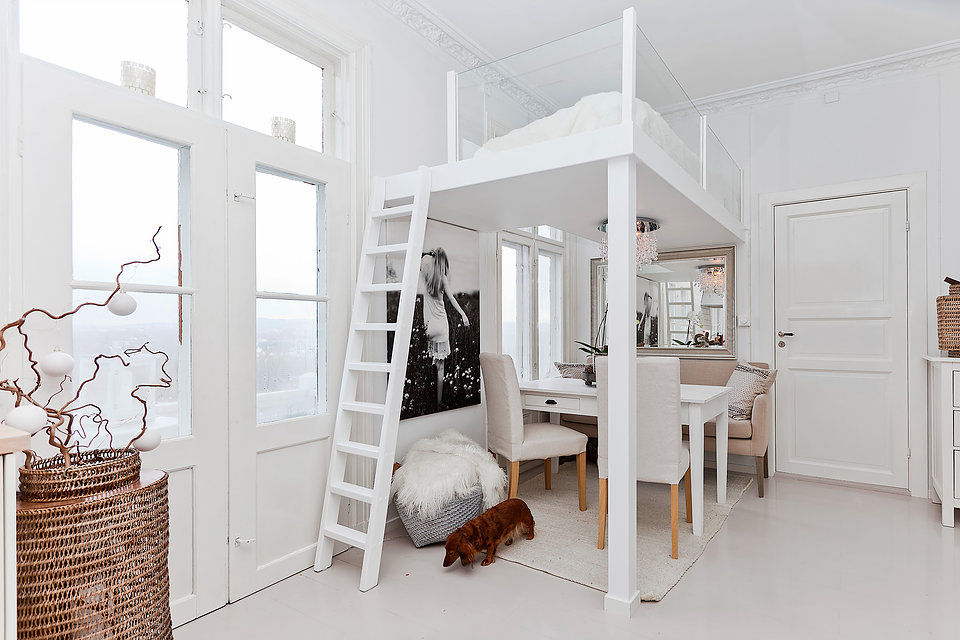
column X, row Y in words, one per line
column 546, row 474
column 760, row 475
column 582, row 479
column 674, row 519
column 514, row 478
column 687, row 491
column 766, row 464
column 602, row 537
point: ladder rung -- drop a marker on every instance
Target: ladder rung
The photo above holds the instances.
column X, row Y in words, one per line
column 380, row 287
column 358, row 449
column 355, row 491
column 374, row 367
column 375, row 326
column 403, row 211
column 385, row 249
column 364, row 407
column 346, row 535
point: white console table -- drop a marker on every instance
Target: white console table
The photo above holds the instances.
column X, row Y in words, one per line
column 943, row 407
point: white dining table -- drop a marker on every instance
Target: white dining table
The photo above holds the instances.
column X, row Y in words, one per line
column 698, row 404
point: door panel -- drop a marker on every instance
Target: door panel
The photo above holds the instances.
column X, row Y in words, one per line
column 289, row 312
column 841, row 291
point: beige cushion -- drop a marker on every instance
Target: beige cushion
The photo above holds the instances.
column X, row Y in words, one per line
column 543, row 440
column 735, row 429
column 570, row 369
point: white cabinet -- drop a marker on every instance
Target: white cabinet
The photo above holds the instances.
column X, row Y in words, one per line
column 943, row 409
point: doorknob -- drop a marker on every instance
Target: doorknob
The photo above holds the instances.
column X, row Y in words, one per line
column 785, row 334
column 243, row 541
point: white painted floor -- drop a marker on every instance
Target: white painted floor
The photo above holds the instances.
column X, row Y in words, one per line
column 808, row 561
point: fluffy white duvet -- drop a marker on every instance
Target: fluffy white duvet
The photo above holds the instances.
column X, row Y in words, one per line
column 596, row 111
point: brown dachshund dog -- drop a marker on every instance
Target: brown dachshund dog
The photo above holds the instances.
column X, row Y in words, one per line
column 498, row 525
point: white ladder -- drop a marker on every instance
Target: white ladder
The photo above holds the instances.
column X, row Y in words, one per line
column 349, row 408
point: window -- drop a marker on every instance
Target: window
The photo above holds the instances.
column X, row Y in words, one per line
column 291, row 309
column 94, row 36
column 113, row 222
column 531, row 291
column 262, row 81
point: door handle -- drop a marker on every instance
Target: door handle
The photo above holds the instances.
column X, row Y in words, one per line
column 550, row 402
column 785, row 334
column 243, row 541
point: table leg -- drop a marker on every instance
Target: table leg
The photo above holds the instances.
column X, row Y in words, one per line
column 722, row 435
column 696, row 466
column 555, row 461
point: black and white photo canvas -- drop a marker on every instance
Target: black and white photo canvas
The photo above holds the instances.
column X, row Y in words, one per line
column 648, row 312
column 443, row 366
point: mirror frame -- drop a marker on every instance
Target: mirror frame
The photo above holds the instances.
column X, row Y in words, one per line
column 729, row 350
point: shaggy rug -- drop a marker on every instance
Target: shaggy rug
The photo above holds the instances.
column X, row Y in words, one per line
column 566, row 538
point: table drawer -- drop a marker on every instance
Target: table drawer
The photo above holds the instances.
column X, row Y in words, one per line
column 956, row 427
column 956, row 475
column 956, row 388
column 546, row 402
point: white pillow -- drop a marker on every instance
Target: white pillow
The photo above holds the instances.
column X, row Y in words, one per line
column 747, row 382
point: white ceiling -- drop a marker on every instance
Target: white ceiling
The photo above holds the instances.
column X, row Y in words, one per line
column 714, row 46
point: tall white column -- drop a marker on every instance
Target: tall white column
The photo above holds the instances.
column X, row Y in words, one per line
column 622, row 595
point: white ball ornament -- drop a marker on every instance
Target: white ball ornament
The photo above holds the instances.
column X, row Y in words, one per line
column 122, row 304
column 56, row 364
column 149, row 441
column 27, row 417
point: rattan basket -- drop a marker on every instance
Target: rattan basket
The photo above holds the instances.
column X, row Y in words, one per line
column 92, row 542
column 948, row 321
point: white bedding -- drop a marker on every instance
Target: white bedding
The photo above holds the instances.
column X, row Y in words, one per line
column 592, row 112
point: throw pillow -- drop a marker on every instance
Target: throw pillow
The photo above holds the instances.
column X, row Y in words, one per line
column 570, row 369
column 747, row 382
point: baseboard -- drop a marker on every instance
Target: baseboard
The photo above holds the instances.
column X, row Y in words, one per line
column 846, row 483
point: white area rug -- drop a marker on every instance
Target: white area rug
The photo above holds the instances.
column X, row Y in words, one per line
column 566, row 538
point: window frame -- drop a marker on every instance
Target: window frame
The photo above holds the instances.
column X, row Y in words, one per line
column 535, row 244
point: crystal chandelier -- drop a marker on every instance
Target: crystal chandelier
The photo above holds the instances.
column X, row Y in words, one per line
column 711, row 279
column 646, row 241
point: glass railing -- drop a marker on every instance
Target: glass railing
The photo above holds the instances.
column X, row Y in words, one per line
column 497, row 102
column 722, row 178
column 663, row 110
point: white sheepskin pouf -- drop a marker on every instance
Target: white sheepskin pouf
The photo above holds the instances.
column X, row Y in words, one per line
column 440, row 469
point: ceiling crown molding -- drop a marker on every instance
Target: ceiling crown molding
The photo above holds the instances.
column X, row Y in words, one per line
column 458, row 46
column 875, row 69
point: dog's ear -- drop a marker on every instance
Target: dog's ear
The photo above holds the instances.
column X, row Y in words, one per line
column 452, row 549
column 467, row 553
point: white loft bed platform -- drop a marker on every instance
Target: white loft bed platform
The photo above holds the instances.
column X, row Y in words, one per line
column 563, row 183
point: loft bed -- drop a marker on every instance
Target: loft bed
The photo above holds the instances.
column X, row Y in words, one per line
column 588, row 129
column 530, row 137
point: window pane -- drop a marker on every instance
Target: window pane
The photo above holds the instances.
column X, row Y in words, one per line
column 157, row 322
column 550, row 313
column 549, row 232
column 290, row 246
column 515, row 307
column 263, row 81
column 124, row 187
column 94, row 36
column 291, row 359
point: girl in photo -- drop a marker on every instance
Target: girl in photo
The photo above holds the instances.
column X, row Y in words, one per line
column 434, row 285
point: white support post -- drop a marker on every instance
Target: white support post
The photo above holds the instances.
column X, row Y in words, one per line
column 622, row 594
column 453, row 153
column 628, row 91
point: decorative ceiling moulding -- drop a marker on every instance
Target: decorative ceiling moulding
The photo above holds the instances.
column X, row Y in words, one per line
column 883, row 67
column 446, row 38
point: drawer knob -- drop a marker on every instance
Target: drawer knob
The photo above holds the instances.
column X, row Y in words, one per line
column 550, row 402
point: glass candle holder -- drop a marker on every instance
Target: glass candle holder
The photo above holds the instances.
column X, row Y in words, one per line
column 138, row 77
column 284, row 129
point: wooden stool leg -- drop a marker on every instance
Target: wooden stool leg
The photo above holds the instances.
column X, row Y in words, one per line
column 514, row 478
column 760, row 475
column 687, row 490
column 582, row 479
column 602, row 537
column 546, row 474
column 674, row 519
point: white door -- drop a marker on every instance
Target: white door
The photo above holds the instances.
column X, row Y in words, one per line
column 289, row 313
column 102, row 169
column 841, row 323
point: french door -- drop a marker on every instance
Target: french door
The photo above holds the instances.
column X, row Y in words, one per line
column 841, row 319
column 102, row 170
column 289, row 314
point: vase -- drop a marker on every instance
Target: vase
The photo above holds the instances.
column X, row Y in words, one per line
column 92, row 542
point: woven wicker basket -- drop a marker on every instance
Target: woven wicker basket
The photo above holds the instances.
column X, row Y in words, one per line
column 92, row 544
column 948, row 321
column 451, row 517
